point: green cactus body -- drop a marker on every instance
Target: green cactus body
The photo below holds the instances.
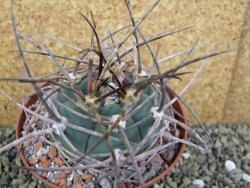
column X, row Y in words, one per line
column 83, row 141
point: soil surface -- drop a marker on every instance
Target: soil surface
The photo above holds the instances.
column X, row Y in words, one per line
column 231, row 167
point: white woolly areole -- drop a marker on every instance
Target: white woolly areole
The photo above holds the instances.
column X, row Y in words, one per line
column 114, row 118
column 119, row 155
column 130, row 92
column 113, row 85
column 122, row 124
column 60, row 127
column 115, row 130
column 156, row 114
column 72, row 76
column 90, row 99
column 143, row 73
column 130, row 95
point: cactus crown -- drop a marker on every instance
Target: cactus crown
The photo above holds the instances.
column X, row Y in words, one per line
column 110, row 111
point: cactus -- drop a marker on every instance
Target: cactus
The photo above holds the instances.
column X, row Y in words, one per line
column 110, row 111
column 110, row 108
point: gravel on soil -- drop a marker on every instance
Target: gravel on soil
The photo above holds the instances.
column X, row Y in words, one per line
column 231, row 152
column 230, row 169
column 11, row 176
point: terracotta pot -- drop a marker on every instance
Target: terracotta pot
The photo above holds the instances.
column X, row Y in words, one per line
column 32, row 100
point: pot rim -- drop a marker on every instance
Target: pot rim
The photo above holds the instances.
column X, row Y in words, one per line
column 176, row 105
